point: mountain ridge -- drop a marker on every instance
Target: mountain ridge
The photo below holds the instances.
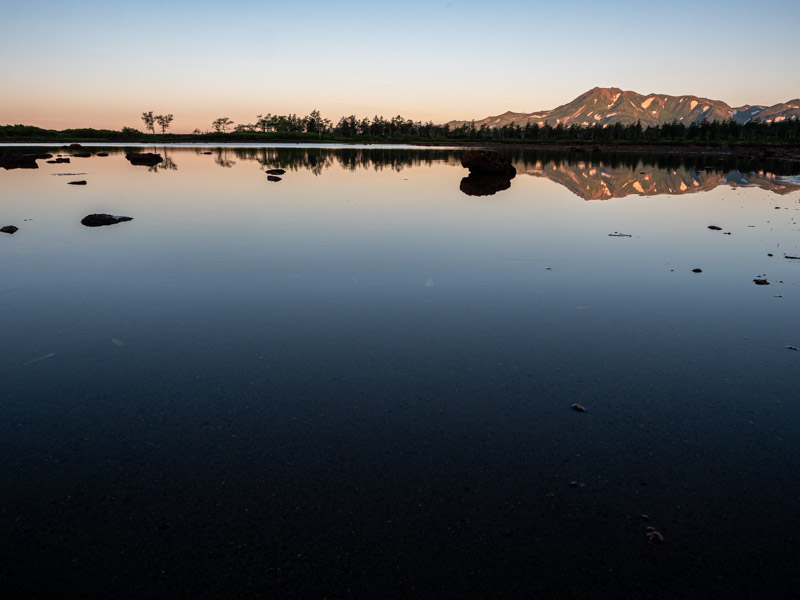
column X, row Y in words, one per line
column 603, row 107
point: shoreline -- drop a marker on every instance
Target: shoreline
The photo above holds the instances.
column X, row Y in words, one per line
column 755, row 151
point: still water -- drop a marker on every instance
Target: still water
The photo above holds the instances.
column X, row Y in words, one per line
column 357, row 381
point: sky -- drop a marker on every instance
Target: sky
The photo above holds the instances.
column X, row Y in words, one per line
column 87, row 63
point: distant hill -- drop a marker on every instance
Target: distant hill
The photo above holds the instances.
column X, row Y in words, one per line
column 607, row 106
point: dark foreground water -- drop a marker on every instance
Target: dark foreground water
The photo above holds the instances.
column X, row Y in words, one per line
column 357, row 381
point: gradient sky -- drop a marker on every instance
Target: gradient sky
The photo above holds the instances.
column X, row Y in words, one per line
column 101, row 64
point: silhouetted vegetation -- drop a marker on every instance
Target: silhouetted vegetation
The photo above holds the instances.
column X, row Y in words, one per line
column 313, row 127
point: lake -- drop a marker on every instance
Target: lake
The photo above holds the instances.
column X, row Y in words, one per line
column 358, row 381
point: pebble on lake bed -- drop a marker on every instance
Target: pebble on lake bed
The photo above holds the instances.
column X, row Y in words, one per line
column 654, row 538
column 578, row 408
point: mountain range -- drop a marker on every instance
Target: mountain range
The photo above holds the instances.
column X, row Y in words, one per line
column 607, row 106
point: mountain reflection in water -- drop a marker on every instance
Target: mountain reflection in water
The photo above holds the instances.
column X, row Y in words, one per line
column 597, row 181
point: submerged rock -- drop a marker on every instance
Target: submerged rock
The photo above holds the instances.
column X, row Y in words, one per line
column 276, row 171
column 144, row 159
column 100, row 219
column 488, row 162
column 9, row 229
column 654, row 538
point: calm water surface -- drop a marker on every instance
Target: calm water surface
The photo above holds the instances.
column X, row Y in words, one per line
column 357, row 381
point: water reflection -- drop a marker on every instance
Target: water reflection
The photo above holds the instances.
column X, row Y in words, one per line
column 589, row 175
column 359, row 359
column 598, row 181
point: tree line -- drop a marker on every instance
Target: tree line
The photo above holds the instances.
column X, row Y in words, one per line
column 380, row 128
column 269, row 127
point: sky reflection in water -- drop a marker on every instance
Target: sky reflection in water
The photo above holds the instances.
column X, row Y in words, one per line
column 370, row 358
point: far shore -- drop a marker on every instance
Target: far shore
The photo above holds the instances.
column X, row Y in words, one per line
column 755, row 151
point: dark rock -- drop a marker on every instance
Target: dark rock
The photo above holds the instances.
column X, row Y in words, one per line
column 9, row 229
column 760, row 281
column 82, row 155
column 276, row 171
column 578, row 408
column 73, row 146
column 654, row 538
column 795, row 348
column 482, row 184
column 791, row 257
column 144, row 159
column 273, row 178
column 206, row 153
column 102, row 154
column 19, row 161
column 697, row 270
column 770, row 254
column 715, row 228
column 488, row 162
column 100, row 219
column 81, row 182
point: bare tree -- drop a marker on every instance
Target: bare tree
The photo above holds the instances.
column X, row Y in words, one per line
column 149, row 121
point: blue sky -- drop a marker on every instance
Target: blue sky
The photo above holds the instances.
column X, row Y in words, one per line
column 101, row 64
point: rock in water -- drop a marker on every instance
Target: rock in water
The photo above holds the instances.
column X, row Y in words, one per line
column 21, row 161
column 484, row 184
column 144, row 159
column 273, row 178
column 100, row 219
column 81, row 182
column 714, row 228
column 654, row 538
column 276, row 171
column 488, row 162
column 9, row 229
column 578, row 408
column 760, row 281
